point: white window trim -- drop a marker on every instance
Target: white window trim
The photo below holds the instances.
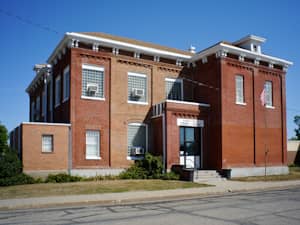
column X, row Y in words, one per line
column 138, row 103
column 92, row 67
column 92, row 98
column 97, row 68
column 177, row 80
column 270, row 107
column 52, row 143
column 238, row 102
column 66, row 70
column 266, row 105
column 138, row 75
column 241, row 103
column 146, row 150
column 92, row 158
column 57, row 103
column 99, row 148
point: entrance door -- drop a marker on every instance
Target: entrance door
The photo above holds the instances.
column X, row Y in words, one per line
column 190, row 147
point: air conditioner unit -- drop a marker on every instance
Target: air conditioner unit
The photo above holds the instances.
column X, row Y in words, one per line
column 92, row 88
column 137, row 151
column 138, row 92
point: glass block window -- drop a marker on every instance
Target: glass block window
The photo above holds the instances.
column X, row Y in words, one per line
column 136, row 137
column 44, row 103
column 32, row 111
column 173, row 89
column 38, row 103
column 92, row 81
column 66, row 90
column 47, row 143
column 57, row 91
column 137, row 87
column 269, row 93
column 92, row 140
column 239, row 89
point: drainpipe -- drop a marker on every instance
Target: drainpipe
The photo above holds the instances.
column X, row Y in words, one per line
column 164, row 140
column 70, row 150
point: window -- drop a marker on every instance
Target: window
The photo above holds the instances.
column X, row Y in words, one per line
column 173, row 89
column 57, row 91
column 47, row 143
column 137, row 88
column 92, row 141
column 137, row 140
column 92, row 82
column 38, row 105
column 43, row 103
column 239, row 89
column 66, row 90
column 32, row 111
column 269, row 94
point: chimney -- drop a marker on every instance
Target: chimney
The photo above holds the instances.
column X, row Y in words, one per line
column 192, row 49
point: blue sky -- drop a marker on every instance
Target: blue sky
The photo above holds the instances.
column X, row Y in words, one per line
column 172, row 23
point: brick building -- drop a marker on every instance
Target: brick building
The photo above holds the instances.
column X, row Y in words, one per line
column 112, row 99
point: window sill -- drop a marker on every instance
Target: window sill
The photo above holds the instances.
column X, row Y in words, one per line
column 93, row 98
column 47, row 152
column 138, row 103
column 135, row 157
column 270, row 107
column 241, row 103
column 92, row 158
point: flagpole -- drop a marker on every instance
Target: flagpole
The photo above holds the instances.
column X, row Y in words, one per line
column 263, row 101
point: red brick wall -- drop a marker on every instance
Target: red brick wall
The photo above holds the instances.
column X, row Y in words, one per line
column 175, row 111
column 208, row 91
column 157, row 135
column 33, row 158
column 61, row 113
column 251, row 126
column 88, row 114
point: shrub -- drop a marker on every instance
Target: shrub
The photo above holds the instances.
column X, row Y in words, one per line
column 62, row 178
column 134, row 172
column 17, row 180
column 10, row 165
column 100, row 177
column 170, row 176
column 153, row 166
column 150, row 167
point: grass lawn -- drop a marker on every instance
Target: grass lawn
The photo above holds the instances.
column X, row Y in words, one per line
column 293, row 175
column 94, row 187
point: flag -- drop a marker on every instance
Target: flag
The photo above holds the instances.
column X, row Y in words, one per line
column 263, row 97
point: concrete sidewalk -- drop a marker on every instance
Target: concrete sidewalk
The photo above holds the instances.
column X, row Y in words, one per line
column 221, row 187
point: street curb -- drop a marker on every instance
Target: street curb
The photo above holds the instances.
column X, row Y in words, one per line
column 141, row 200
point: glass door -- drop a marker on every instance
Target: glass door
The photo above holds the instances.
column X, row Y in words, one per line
column 190, row 147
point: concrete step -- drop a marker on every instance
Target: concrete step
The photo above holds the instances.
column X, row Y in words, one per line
column 201, row 176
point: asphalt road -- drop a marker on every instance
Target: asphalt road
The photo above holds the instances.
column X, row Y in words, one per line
column 265, row 207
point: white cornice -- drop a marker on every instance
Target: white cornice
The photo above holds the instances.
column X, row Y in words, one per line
column 125, row 45
column 142, row 49
column 248, row 38
column 239, row 51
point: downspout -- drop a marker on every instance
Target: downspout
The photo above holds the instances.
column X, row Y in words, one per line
column 164, row 139
column 70, row 150
column 45, row 98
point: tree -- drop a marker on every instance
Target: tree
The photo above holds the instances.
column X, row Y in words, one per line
column 297, row 130
column 3, row 138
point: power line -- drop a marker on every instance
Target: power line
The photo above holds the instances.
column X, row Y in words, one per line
column 294, row 110
column 29, row 22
